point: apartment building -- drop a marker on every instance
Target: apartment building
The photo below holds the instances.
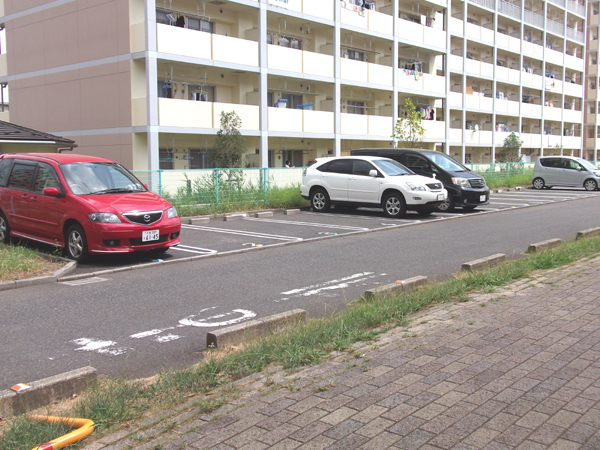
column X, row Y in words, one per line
column 145, row 82
column 592, row 99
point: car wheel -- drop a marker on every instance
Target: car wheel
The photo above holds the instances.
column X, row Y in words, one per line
column 319, row 200
column 394, row 205
column 590, row 185
column 538, row 183
column 4, row 229
column 76, row 243
column 447, row 206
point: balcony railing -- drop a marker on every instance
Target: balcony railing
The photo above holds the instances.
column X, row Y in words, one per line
column 558, row 2
column 534, row 19
column 575, row 35
column 509, row 9
column 575, row 7
column 555, row 27
column 486, row 3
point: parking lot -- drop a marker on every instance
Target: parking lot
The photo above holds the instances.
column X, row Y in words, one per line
column 244, row 230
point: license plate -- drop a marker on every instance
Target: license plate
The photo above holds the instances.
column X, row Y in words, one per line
column 150, row 235
column 482, row 198
column 441, row 197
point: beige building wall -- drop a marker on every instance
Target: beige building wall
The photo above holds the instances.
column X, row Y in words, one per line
column 73, row 99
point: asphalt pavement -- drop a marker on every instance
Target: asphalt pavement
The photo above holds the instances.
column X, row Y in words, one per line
column 516, row 368
column 137, row 322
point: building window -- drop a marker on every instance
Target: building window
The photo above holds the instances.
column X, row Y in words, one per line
column 293, row 100
column 355, row 107
column 165, row 159
column 165, row 89
column 201, row 25
column 592, row 109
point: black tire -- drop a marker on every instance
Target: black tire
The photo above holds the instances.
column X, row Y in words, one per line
column 76, row 244
column 394, row 205
column 447, row 206
column 538, row 183
column 319, row 200
column 425, row 212
column 4, row 229
column 590, row 185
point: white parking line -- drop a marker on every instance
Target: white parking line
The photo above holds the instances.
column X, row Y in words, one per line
column 189, row 249
column 243, row 233
column 307, row 224
column 510, row 204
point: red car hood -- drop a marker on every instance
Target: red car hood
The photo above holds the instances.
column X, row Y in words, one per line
column 135, row 201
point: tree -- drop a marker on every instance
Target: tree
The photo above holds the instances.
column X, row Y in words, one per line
column 229, row 145
column 511, row 149
column 408, row 132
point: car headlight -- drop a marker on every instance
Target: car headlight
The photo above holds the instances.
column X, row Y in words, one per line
column 104, row 217
column 461, row 182
column 415, row 187
column 171, row 212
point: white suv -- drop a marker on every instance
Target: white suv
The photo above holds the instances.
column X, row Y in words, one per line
column 370, row 181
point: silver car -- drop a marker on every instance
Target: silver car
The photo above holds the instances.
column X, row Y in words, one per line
column 565, row 171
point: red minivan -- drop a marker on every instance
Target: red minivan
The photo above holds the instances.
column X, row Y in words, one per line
column 84, row 204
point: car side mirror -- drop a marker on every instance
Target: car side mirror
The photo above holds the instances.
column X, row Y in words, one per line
column 51, row 192
column 373, row 173
column 145, row 185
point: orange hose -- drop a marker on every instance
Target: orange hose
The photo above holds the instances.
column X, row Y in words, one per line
column 84, row 428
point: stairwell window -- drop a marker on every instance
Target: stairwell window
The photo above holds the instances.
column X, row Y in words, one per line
column 355, row 107
column 201, row 25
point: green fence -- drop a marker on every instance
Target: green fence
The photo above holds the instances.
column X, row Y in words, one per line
column 217, row 186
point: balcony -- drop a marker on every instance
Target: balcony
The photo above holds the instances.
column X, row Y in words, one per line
column 318, row 8
column 455, row 135
column 532, row 140
column 368, row 19
column 574, row 63
column 421, row 34
column 381, row 126
column 552, row 113
column 190, row 114
column 455, row 100
column 300, row 121
column 572, row 142
column 574, row 90
column 197, row 44
column 3, row 66
column 573, row 116
column 434, row 129
column 434, row 84
column 554, row 57
column 355, row 124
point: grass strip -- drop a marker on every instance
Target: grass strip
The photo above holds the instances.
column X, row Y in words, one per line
column 17, row 262
column 115, row 402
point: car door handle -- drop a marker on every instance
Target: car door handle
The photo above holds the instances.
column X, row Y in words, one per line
column 34, row 198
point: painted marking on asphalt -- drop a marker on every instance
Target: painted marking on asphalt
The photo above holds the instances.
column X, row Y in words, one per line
column 307, row 224
column 510, row 204
column 144, row 334
column 243, row 233
column 98, row 346
column 329, row 286
column 198, row 250
column 83, row 281
column 167, row 338
column 242, row 313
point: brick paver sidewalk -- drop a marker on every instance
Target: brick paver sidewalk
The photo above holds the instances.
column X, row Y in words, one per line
column 518, row 368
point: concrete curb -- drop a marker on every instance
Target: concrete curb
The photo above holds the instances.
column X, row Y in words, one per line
column 410, row 284
column 253, row 329
column 45, row 391
column 15, row 284
column 588, row 233
column 484, row 263
column 544, row 245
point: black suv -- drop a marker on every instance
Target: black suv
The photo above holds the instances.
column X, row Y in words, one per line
column 466, row 189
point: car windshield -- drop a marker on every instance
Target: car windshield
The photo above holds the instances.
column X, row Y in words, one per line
column 585, row 163
column 90, row 178
column 392, row 168
column 446, row 162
